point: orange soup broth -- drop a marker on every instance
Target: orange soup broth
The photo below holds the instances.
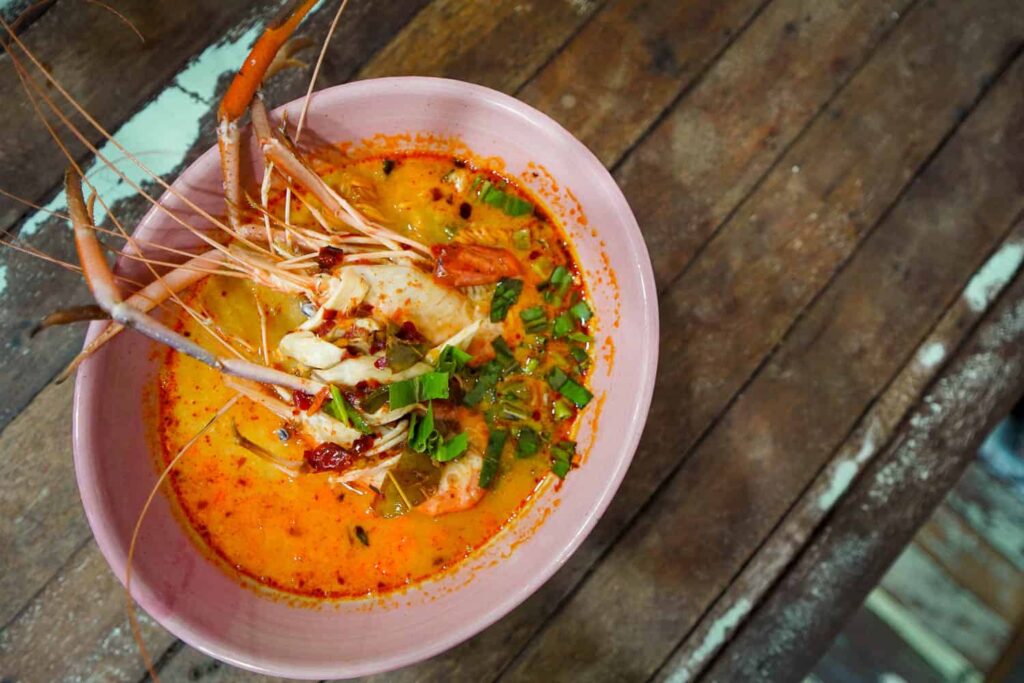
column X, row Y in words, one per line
column 302, row 535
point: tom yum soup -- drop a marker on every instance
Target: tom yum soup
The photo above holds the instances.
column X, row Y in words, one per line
column 440, row 352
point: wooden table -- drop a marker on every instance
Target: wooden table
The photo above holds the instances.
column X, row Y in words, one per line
column 832, row 196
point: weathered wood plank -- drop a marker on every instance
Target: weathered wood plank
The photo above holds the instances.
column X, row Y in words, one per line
column 77, row 629
column 797, row 411
column 607, row 97
column 499, row 45
column 832, row 576
column 950, row 611
column 867, row 646
column 701, row 161
column 41, row 521
column 85, row 45
column 993, row 511
column 30, row 290
column 490, row 650
column 865, row 442
column 973, row 562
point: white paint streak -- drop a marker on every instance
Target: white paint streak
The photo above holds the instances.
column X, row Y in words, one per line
column 841, row 480
column 170, row 123
column 989, row 281
column 931, row 354
column 3, row 278
column 715, row 638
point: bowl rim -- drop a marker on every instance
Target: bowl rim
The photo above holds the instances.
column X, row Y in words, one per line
column 87, row 389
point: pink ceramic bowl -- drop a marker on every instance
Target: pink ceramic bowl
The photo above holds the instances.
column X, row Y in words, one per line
column 212, row 611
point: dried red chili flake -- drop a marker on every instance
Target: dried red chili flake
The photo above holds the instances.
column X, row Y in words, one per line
column 363, row 444
column 408, row 333
column 381, row 363
column 377, row 345
column 362, row 386
column 435, row 193
column 465, row 210
column 328, row 257
column 328, row 324
column 362, row 311
column 534, row 255
column 302, row 400
column 328, row 456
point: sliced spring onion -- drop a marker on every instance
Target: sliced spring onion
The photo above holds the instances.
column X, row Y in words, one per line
column 521, row 239
column 557, row 284
column 527, row 442
column 433, row 385
column 562, row 409
column 506, row 294
column 485, row 382
column 531, row 365
column 582, row 311
column 503, row 354
column 534, row 319
column 507, row 202
column 579, row 354
column 402, row 394
column 581, row 338
column 492, row 456
column 336, row 407
column 561, row 457
column 563, row 325
column 422, row 435
column 452, row 448
column 568, row 387
column 426, row 387
column 452, row 359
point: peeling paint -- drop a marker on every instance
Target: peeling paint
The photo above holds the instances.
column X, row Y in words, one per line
column 841, row 480
column 170, row 122
column 3, row 278
column 986, row 284
column 715, row 638
column 931, row 355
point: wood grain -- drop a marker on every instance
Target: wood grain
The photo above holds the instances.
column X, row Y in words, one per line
column 500, row 45
column 608, row 98
column 844, row 562
column 992, row 510
column 33, row 289
column 973, row 562
column 790, row 419
column 947, row 609
column 866, row 646
column 863, row 444
column 76, row 628
column 30, row 165
column 41, row 521
column 713, row 149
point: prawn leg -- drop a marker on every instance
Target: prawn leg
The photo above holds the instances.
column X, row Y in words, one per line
column 240, row 93
column 108, row 296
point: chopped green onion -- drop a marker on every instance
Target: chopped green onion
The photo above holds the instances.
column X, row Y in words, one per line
column 507, row 202
column 575, row 392
column 421, row 431
column 557, row 378
column 433, row 385
column 530, row 366
column 579, row 354
column 582, row 311
column 492, row 456
column 563, row 325
column 506, row 294
column 521, row 239
column 581, row 338
column 527, row 442
column 452, row 359
column 426, row 387
column 503, row 354
column 534, row 319
column 557, row 284
column 452, row 448
column 563, row 411
column 485, row 382
column 569, row 388
column 515, row 206
column 336, row 406
column 561, row 457
column 404, row 393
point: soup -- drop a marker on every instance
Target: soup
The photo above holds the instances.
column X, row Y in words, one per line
column 452, row 383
